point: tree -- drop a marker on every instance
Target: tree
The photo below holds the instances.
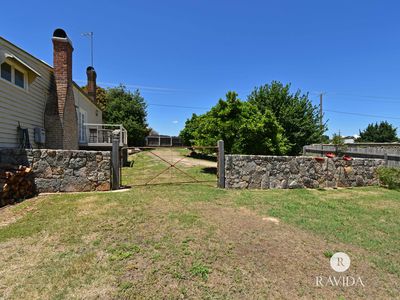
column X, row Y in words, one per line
column 294, row 112
column 338, row 142
column 187, row 133
column 101, row 95
column 383, row 132
column 240, row 124
column 129, row 109
column 325, row 139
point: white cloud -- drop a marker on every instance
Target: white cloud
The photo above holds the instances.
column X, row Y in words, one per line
column 175, row 122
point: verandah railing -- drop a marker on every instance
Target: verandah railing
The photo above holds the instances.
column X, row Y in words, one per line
column 101, row 134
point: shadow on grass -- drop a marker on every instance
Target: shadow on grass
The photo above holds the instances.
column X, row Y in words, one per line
column 209, row 170
column 202, row 156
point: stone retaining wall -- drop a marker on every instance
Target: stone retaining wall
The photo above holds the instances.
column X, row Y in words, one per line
column 268, row 172
column 63, row 170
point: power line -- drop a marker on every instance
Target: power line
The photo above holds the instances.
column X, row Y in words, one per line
column 361, row 114
column 366, row 96
column 176, row 106
column 373, row 98
column 327, row 110
column 171, row 90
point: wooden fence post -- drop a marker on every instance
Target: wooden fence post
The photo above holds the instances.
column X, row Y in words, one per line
column 115, row 156
column 385, row 157
column 221, row 164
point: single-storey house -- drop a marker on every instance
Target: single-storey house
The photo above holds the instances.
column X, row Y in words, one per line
column 42, row 107
column 159, row 140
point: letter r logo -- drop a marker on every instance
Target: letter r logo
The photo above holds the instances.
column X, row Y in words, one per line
column 340, row 262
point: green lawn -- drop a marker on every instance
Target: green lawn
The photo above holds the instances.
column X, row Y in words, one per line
column 145, row 167
column 197, row 241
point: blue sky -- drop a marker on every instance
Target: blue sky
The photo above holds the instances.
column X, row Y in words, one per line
column 190, row 53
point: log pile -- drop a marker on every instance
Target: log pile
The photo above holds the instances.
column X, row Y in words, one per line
column 16, row 182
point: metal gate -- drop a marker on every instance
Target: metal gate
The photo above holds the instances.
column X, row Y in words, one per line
column 155, row 165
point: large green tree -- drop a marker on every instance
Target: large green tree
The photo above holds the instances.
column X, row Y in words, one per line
column 294, row 112
column 383, row 132
column 129, row 109
column 100, row 96
column 187, row 133
column 240, row 124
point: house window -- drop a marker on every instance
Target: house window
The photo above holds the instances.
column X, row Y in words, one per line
column 82, row 116
column 6, row 71
column 19, row 78
column 13, row 75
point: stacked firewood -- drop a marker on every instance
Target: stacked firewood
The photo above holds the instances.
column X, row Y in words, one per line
column 16, row 182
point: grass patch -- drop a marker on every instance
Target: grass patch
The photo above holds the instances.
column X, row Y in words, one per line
column 145, row 167
column 122, row 252
column 364, row 217
column 185, row 219
column 195, row 241
column 199, row 269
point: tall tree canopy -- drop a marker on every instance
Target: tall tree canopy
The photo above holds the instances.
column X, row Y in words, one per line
column 294, row 112
column 241, row 125
column 129, row 109
column 378, row 133
column 100, row 96
column 187, row 133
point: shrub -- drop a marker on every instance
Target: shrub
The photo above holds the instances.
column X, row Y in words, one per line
column 389, row 177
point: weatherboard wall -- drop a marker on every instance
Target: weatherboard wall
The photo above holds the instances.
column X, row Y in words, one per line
column 25, row 106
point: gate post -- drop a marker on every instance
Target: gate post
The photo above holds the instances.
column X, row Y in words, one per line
column 221, row 164
column 115, row 160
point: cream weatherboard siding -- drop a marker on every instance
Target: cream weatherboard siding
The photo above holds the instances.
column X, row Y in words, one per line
column 19, row 105
column 92, row 113
column 27, row 106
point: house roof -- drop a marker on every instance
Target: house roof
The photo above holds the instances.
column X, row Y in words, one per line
column 161, row 136
column 19, row 48
column 51, row 69
column 86, row 95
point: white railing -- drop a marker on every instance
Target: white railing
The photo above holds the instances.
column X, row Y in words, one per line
column 101, row 134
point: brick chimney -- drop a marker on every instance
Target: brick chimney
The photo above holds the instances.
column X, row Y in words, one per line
column 91, row 83
column 60, row 116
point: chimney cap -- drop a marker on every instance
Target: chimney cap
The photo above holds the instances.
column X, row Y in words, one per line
column 90, row 68
column 61, row 36
column 60, row 33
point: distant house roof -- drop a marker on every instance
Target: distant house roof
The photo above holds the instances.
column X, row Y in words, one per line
column 161, row 136
column 153, row 132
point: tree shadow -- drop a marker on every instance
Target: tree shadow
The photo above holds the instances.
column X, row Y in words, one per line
column 202, row 156
column 209, row 170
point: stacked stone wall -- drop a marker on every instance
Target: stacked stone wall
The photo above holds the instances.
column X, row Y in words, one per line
column 269, row 172
column 63, row 170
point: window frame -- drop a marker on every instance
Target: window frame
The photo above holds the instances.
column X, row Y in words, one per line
column 1, row 69
column 82, row 134
column 12, row 82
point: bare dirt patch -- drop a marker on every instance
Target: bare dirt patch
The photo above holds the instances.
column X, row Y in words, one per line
column 12, row 213
column 284, row 261
column 242, row 255
column 173, row 155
